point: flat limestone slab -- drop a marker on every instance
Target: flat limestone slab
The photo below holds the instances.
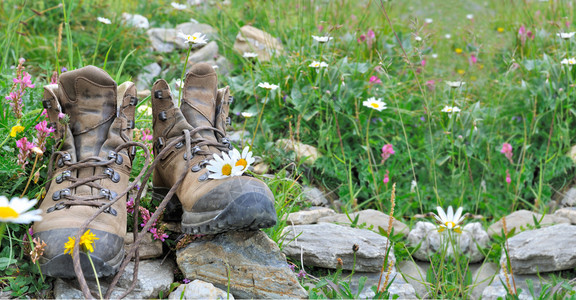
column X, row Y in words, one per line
column 322, row 244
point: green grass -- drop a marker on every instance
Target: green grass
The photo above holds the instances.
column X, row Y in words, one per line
column 517, row 92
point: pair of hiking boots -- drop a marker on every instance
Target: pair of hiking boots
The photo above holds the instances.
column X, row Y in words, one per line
column 93, row 162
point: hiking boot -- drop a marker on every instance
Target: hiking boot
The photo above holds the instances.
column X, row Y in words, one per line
column 89, row 170
column 204, row 205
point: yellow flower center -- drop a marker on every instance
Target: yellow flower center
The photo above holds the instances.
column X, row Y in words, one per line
column 226, row 169
column 450, row 224
column 242, row 162
column 7, row 212
column 375, row 105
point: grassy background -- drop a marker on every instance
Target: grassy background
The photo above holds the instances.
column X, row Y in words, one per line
column 516, row 92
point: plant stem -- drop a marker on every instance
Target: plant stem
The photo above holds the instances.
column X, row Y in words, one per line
column 95, row 274
column 30, row 177
column 259, row 118
column 182, row 75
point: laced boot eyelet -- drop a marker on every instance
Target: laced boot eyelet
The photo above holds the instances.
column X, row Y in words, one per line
column 58, row 206
column 118, row 158
column 63, row 176
column 64, row 158
column 60, row 194
column 114, row 176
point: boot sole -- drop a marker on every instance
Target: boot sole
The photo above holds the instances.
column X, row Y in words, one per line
column 249, row 212
column 61, row 265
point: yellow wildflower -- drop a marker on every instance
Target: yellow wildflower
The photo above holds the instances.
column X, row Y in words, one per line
column 15, row 130
column 458, row 50
column 500, row 29
column 86, row 243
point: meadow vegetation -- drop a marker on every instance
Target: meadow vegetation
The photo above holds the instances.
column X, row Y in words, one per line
column 476, row 98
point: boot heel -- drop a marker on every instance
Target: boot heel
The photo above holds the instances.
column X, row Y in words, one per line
column 173, row 211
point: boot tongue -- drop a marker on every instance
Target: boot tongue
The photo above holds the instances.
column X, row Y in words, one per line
column 199, row 98
column 88, row 97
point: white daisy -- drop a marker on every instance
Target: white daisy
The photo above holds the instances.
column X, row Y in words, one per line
column 104, row 20
column 223, row 167
column 451, row 109
column 268, row 86
column 469, row 16
column 418, row 38
column 16, row 211
column 455, row 84
column 145, row 109
column 318, row 64
column 448, row 36
column 249, row 55
column 374, row 103
column 322, row 39
column 568, row 61
column 566, row 35
column 197, row 38
column 434, row 55
column 243, row 160
column 451, row 221
column 246, row 114
column 428, row 20
column 178, row 6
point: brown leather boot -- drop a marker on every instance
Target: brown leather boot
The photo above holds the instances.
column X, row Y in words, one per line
column 88, row 172
column 208, row 206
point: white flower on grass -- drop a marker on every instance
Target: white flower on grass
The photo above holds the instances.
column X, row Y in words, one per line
column 243, row 160
column 568, row 61
column 322, row 39
column 268, row 86
column 197, row 38
column 145, row 109
column 374, row 103
column 246, row 114
column 17, row 210
column 223, row 167
column 449, row 221
column 434, row 55
column 455, row 84
column 469, row 16
column 566, row 35
column 413, row 186
column 448, row 36
column 418, row 38
column 178, row 6
column 104, row 20
column 318, row 64
column 249, row 55
column 428, row 20
column 451, row 109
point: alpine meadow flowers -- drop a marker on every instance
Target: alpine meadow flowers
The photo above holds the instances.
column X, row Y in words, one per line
column 450, row 221
column 17, row 210
column 195, row 39
column 374, row 103
column 267, row 86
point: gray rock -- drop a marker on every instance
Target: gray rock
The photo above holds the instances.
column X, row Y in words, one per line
column 224, row 66
column 314, row 196
column 497, row 290
column 205, row 54
column 569, row 199
column 251, row 39
column 136, row 21
column 309, row 216
column 261, row 168
column 199, row 289
column 568, row 213
column 482, row 278
column 154, row 277
column 322, row 244
column 149, row 248
column 239, row 137
column 398, row 287
column 303, row 151
column 372, row 218
column 249, row 262
column 522, row 219
column 191, row 28
column 543, row 250
column 472, row 236
column 415, row 275
column 162, row 39
column 145, row 79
